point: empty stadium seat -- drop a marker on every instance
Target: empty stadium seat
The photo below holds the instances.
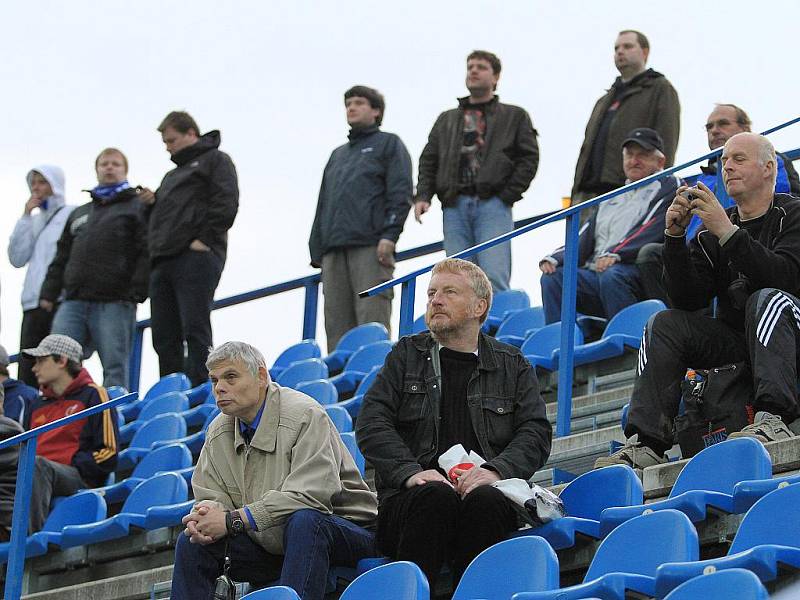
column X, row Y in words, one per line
column 166, row 403
column 706, row 481
column 169, row 457
column 504, row 303
column 419, row 324
column 519, row 325
column 353, row 405
column 541, row 348
column 340, row 417
column 349, row 439
column 195, row 441
column 302, row 371
column 628, row 558
column 83, row 507
column 115, row 391
column 359, row 364
column 623, row 419
column 767, row 542
column 747, row 493
column 624, row 329
column 321, row 390
column 168, row 427
column 735, row 584
column 400, row 580
column 526, row 564
column 352, row 341
column 174, row 382
column 165, row 488
column 196, row 416
column 199, row 394
column 299, row 351
column 278, row 592
column 585, row 498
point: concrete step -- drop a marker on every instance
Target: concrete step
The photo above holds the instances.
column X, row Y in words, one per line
column 133, row 586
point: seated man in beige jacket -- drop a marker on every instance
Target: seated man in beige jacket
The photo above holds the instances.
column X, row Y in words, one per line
column 274, row 485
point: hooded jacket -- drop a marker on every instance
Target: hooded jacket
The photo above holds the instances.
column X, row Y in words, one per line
column 18, row 399
column 33, row 241
column 197, row 200
column 648, row 100
column 102, row 252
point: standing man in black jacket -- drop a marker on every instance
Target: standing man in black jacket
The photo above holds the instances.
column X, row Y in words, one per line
column 101, row 264
column 480, row 158
column 748, row 257
column 363, row 202
column 188, row 221
column 454, row 385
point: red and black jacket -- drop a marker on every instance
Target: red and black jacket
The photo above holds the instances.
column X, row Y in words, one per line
column 90, row 445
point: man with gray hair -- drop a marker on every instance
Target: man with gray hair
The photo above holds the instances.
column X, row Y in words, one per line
column 454, row 385
column 748, row 257
column 277, row 490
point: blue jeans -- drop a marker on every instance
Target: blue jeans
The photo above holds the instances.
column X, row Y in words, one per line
column 599, row 294
column 472, row 221
column 105, row 326
column 312, row 541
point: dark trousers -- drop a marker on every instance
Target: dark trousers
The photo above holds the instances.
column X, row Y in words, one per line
column 650, row 262
column 36, row 324
column 432, row 526
column 312, row 542
column 675, row 340
column 51, row 479
column 181, row 294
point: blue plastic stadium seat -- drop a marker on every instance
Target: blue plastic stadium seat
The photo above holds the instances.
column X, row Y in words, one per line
column 162, row 489
column 707, row 481
column 83, row 507
column 199, row 394
column 628, row 558
column 170, row 457
column 541, row 347
column 196, row 416
column 623, row 419
column 340, row 417
column 734, row 584
column 115, row 391
column 526, row 564
column 624, row 329
column 195, row 441
column 419, row 324
column 359, row 364
column 168, row 427
column 170, row 402
column 168, row 515
column 353, row 405
column 299, row 351
column 321, row 390
column 585, row 498
column 766, row 543
column 503, row 304
column 174, row 382
column 349, row 439
column 747, row 493
column 519, row 325
column 400, row 580
column 278, row 592
column 352, row 341
column 302, row 371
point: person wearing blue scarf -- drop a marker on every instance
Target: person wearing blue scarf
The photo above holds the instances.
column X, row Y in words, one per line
column 102, row 266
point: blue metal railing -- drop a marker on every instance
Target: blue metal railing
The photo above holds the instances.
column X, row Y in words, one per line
column 570, row 269
column 22, row 495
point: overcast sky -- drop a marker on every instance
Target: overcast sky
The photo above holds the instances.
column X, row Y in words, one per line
column 79, row 76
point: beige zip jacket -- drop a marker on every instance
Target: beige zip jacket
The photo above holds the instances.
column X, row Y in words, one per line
column 295, row 460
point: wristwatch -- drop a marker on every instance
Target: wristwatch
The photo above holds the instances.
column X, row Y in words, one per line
column 234, row 522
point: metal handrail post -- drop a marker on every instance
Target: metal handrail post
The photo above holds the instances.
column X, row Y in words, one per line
column 407, row 292
column 569, row 288
column 310, row 310
column 19, row 520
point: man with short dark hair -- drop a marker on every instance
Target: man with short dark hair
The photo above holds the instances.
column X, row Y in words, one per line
column 479, row 160
column 363, row 203
column 639, row 97
column 188, row 221
column 101, row 264
column 18, row 397
column 609, row 243
column 454, row 385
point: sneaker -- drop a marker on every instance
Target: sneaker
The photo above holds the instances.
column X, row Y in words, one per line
column 765, row 428
column 633, row 454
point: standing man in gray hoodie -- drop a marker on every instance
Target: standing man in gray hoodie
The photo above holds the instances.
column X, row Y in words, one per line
column 33, row 243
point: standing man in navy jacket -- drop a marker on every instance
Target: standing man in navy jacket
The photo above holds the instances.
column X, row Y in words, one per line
column 189, row 217
column 363, row 203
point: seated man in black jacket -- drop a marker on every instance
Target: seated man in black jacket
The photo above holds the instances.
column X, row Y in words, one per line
column 101, row 263
column 749, row 258
column 452, row 386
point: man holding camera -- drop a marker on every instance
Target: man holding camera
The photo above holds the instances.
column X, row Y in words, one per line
column 748, row 257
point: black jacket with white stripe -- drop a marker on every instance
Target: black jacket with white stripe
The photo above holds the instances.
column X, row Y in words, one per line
column 763, row 253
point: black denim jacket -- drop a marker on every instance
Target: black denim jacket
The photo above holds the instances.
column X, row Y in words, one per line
column 398, row 426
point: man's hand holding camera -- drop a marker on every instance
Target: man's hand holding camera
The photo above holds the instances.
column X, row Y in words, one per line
column 699, row 201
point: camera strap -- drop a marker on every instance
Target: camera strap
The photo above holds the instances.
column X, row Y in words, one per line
column 225, row 588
